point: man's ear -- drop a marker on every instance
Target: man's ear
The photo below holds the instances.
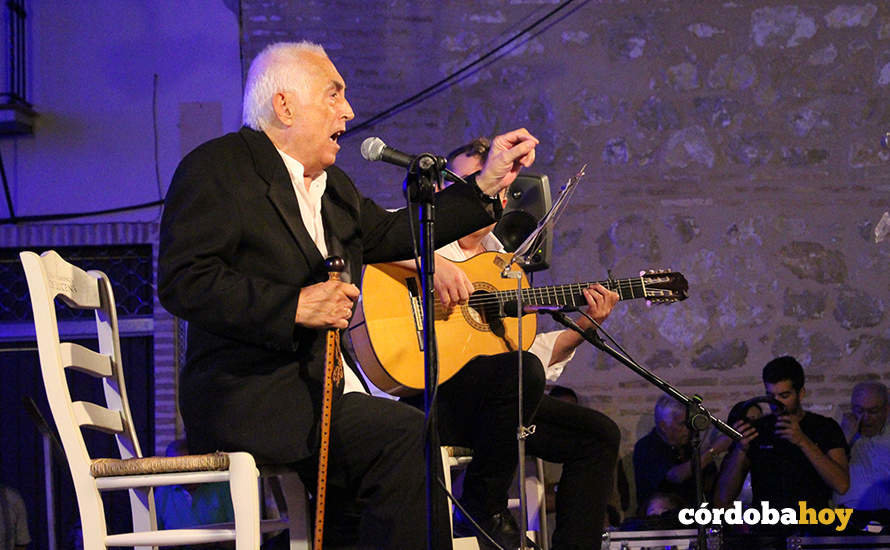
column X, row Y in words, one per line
column 284, row 108
column 802, row 393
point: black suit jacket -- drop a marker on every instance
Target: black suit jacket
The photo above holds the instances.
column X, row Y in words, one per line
column 234, row 254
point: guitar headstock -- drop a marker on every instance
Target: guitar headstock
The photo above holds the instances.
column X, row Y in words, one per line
column 662, row 286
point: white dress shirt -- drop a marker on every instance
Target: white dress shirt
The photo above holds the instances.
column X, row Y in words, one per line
column 310, row 210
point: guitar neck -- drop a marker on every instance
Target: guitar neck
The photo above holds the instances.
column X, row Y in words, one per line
column 572, row 294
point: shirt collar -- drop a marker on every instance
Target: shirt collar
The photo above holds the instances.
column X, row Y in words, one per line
column 295, row 169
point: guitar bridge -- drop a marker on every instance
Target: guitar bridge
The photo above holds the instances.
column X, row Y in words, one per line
column 416, row 309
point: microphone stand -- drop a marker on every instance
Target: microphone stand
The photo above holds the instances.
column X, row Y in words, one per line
column 522, row 431
column 420, row 189
column 698, row 417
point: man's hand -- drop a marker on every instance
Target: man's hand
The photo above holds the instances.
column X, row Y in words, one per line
column 748, row 434
column 326, row 305
column 451, row 283
column 788, row 428
column 600, row 301
column 718, row 441
column 509, row 152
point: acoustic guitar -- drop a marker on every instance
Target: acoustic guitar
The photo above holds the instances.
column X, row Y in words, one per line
column 387, row 328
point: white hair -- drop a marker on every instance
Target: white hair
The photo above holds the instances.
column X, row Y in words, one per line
column 666, row 405
column 872, row 386
column 277, row 68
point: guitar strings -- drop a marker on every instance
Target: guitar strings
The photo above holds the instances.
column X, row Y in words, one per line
column 626, row 288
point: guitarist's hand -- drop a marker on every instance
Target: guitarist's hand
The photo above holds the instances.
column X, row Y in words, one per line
column 326, row 305
column 600, row 302
column 451, row 283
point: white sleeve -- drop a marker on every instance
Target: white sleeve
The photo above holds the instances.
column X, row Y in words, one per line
column 542, row 348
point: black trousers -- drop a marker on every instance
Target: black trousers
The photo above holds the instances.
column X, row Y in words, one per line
column 586, row 442
column 376, row 477
column 478, row 409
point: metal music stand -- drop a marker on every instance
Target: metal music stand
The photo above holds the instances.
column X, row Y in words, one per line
column 523, row 256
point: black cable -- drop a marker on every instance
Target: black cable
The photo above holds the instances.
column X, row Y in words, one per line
column 6, row 188
column 416, row 98
column 154, row 125
column 56, row 217
column 420, row 95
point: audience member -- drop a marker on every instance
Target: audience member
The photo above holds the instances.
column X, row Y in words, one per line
column 183, row 506
column 14, row 534
column 749, row 413
column 663, row 457
column 661, row 503
column 659, row 512
column 803, row 458
column 866, row 430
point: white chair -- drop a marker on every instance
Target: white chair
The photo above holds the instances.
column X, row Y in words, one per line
column 49, row 277
column 536, row 513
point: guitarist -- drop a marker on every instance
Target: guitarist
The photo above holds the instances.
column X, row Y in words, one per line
column 477, row 408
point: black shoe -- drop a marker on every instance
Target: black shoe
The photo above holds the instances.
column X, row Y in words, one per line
column 501, row 527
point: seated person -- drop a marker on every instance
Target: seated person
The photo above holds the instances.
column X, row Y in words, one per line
column 659, row 512
column 14, row 533
column 583, row 440
column 663, row 457
column 182, row 506
column 661, row 503
column 750, row 413
column 247, row 223
column 869, row 438
column 804, row 459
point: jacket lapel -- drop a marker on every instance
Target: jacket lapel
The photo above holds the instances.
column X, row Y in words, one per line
column 271, row 168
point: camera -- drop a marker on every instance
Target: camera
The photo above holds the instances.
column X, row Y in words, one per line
column 766, row 424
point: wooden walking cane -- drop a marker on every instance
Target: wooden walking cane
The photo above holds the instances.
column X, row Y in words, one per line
column 333, row 374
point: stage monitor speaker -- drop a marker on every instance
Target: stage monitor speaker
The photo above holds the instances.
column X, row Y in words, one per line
column 528, row 199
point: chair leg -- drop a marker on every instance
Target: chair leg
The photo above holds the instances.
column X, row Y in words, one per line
column 142, row 507
column 446, row 475
column 243, row 481
column 541, row 490
column 298, row 517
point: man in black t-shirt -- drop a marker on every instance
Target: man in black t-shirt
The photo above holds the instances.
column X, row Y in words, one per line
column 804, row 459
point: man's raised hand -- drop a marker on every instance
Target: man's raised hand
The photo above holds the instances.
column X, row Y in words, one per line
column 509, row 152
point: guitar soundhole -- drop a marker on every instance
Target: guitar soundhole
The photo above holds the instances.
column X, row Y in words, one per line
column 482, row 311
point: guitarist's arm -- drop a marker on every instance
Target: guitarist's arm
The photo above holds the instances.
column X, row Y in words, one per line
column 451, row 283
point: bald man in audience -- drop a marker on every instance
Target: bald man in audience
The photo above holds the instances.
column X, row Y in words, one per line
column 866, row 429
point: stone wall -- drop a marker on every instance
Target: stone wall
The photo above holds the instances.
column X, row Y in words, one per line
column 736, row 142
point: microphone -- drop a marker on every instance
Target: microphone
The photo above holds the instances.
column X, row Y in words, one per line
column 375, row 149
column 885, row 140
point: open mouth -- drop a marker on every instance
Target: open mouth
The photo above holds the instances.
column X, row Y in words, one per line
column 336, row 135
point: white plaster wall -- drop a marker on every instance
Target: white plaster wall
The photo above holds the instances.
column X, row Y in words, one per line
column 90, row 78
